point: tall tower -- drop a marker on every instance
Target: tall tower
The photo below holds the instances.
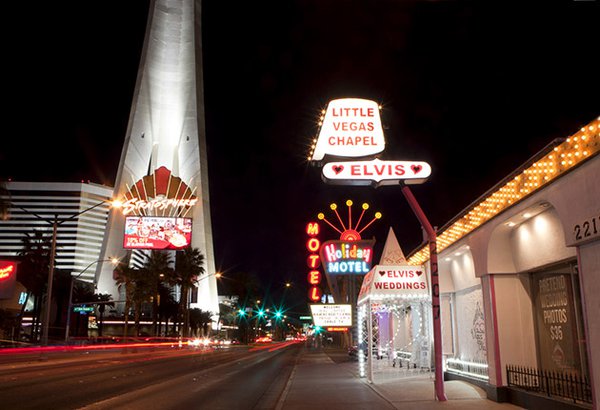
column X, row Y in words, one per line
column 164, row 153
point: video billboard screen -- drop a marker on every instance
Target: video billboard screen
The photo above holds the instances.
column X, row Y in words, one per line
column 157, row 232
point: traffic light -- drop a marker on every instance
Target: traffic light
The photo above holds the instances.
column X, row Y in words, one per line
column 241, row 312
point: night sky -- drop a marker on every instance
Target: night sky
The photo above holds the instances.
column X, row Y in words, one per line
column 472, row 88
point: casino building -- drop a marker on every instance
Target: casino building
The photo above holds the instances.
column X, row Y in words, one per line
column 34, row 206
column 162, row 173
column 163, row 164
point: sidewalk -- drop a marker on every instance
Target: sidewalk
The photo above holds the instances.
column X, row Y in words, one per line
column 327, row 378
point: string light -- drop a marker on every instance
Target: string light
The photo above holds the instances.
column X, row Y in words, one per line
column 564, row 157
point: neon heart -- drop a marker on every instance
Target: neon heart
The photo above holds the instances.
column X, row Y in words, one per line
column 419, row 272
column 416, row 168
column 338, row 168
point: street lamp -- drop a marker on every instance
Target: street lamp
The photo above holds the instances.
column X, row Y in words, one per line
column 186, row 320
column 55, row 223
column 114, row 261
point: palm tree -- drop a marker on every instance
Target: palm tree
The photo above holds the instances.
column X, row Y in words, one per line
column 60, row 294
column 199, row 319
column 246, row 287
column 82, row 292
column 189, row 266
column 168, row 306
column 33, row 273
column 157, row 268
column 123, row 274
column 8, row 323
column 4, row 202
column 139, row 288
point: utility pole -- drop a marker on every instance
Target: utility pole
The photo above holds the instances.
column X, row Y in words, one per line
column 45, row 324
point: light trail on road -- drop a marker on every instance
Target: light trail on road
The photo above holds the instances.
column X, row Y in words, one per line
column 240, row 377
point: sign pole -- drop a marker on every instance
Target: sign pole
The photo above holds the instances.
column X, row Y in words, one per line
column 46, row 324
column 333, row 141
column 435, row 291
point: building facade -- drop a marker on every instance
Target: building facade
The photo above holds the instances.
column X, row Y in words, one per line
column 81, row 211
column 519, row 274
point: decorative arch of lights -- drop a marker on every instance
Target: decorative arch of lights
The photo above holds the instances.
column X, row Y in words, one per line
column 551, row 163
column 159, row 194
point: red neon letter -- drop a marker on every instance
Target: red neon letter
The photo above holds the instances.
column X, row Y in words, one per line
column 313, row 244
column 312, row 228
column 313, row 261
column 314, row 294
column 314, row 277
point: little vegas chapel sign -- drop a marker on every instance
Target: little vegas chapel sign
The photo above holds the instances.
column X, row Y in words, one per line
column 351, row 129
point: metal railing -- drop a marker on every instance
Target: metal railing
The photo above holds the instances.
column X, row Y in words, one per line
column 570, row 386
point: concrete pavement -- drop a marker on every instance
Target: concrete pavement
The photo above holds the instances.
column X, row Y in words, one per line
column 326, row 378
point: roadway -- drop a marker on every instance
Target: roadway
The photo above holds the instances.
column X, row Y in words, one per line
column 236, row 377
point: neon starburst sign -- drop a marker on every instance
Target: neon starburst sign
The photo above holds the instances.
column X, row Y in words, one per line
column 347, row 231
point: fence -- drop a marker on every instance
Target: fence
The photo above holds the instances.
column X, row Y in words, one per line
column 565, row 385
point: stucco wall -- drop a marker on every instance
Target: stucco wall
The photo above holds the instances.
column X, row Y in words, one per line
column 470, row 325
column 515, row 321
column 539, row 241
column 589, row 279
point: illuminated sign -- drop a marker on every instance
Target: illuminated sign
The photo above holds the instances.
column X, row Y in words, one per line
column 8, row 278
column 161, row 192
column 325, row 315
column 312, row 229
column 150, row 232
column 160, row 204
column 351, row 127
column 83, row 309
column 337, row 329
column 395, row 280
column 315, row 293
column 7, row 271
column 376, row 172
column 314, row 275
column 347, row 257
